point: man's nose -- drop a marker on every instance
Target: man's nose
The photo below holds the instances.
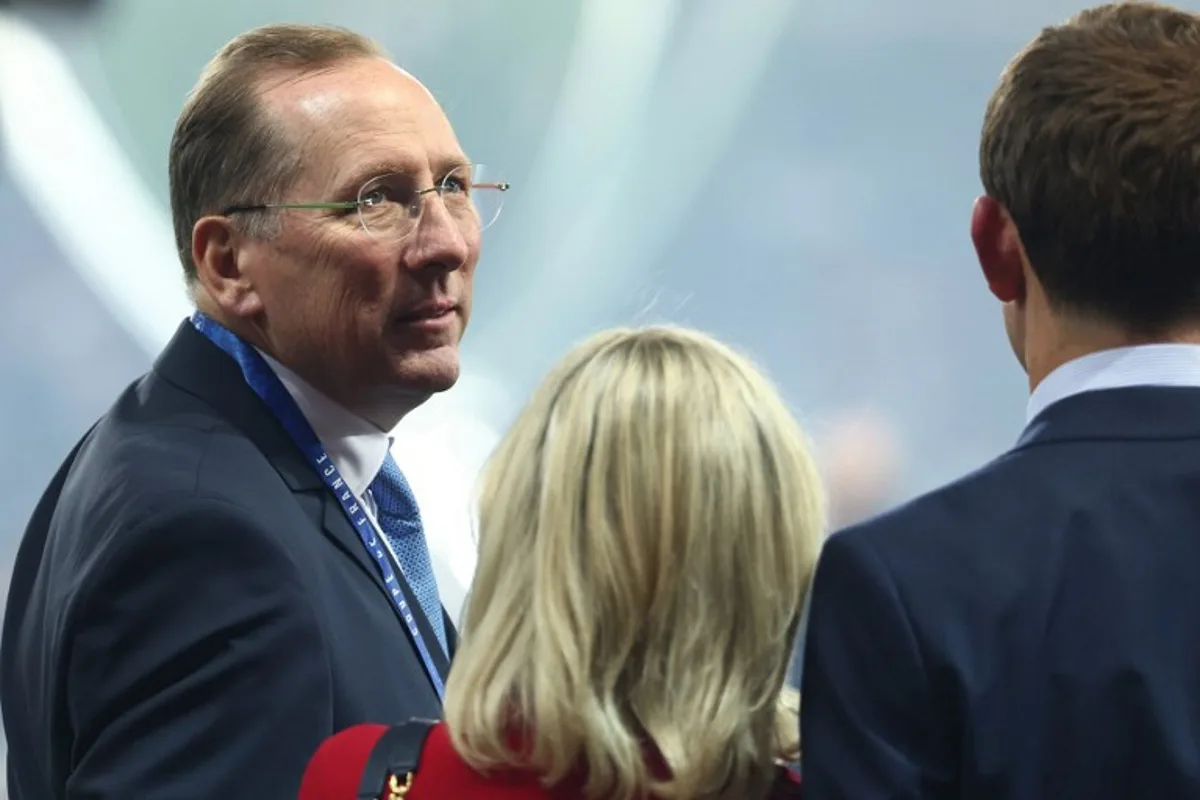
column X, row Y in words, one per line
column 439, row 240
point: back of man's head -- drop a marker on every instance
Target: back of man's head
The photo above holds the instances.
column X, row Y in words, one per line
column 1092, row 144
column 227, row 149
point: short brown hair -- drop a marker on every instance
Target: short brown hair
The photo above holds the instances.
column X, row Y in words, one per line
column 1092, row 144
column 226, row 150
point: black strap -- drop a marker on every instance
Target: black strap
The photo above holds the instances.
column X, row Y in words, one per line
column 396, row 753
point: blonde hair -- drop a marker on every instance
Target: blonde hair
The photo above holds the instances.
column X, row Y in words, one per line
column 647, row 532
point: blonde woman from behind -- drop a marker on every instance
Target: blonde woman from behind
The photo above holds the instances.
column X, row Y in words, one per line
column 647, row 532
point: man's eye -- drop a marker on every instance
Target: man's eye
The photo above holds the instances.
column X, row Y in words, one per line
column 374, row 198
column 454, row 184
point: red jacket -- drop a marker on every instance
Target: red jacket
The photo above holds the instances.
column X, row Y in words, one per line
column 334, row 773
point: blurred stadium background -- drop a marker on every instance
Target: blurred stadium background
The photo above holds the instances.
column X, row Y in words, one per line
column 793, row 175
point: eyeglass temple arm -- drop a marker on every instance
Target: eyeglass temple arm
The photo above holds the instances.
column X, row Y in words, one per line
column 346, row 205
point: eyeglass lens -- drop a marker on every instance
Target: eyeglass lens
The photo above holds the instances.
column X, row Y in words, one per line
column 391, row 205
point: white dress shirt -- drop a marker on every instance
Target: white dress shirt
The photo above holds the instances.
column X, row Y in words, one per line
column 356, row 447
column 1139, row 365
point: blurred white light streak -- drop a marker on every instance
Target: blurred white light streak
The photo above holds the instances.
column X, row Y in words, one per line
column 83, row 188
column 637, row 133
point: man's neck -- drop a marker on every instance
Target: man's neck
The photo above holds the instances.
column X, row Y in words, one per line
column 1066, row 340
column 386, row 413
column 383, row 407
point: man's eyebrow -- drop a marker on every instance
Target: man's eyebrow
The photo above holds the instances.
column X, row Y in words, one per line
column 373, row 170
column 442, row 165
column 452, row 162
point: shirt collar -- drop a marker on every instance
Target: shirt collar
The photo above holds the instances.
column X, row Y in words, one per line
column 356, row 447
column 1121, row 367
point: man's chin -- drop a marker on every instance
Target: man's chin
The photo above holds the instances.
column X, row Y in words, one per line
column 407, row 390
column 428, row 372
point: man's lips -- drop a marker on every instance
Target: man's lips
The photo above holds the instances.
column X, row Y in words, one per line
column 429, row 311
column 437, row 319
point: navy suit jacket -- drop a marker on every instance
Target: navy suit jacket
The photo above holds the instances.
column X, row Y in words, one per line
column 1031, row 632
column 191, row 613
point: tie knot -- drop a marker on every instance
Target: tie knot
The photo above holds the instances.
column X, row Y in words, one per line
column 393, row 496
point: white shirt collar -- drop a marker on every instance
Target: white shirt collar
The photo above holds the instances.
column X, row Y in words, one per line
column 356, row 446
column 1141, row 365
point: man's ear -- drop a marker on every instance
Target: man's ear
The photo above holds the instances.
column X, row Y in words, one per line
column 216, row 252
column 999, row 250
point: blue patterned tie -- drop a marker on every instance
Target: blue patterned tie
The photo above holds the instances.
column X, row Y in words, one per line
column 400, row 520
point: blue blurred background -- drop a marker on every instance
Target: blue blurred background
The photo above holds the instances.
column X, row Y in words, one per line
column 794, row 176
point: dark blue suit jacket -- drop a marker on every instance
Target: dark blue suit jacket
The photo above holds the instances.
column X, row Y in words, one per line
column 190, row 612
column 1030, row 632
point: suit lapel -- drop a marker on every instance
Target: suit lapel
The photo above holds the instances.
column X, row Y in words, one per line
column 197, row 366
column 339, row 528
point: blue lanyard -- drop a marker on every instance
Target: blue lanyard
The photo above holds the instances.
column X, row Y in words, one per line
column 266, row 384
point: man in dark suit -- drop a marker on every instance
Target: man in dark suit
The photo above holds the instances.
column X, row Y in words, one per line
column 230, row 567
column 1029, row 631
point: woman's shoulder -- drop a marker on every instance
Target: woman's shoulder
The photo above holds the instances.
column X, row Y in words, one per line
column 442, row 772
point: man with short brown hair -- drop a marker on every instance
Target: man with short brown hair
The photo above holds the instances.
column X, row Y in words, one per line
column 1089, row 152
column 230, row 566
column 1026, row 631
column 231, row 148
